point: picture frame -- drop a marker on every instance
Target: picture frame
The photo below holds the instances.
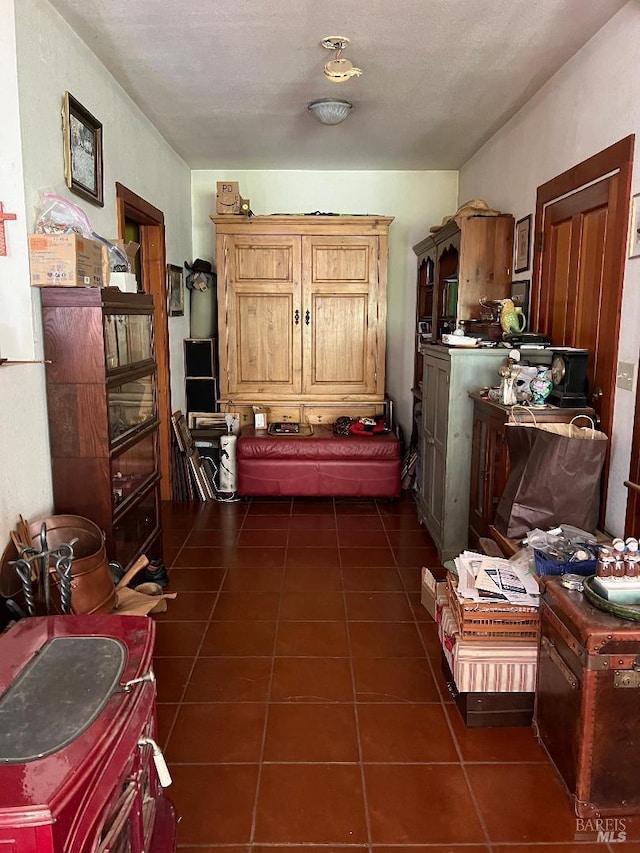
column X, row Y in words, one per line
column 175, row 291
column 520, row 294
column 522, row 243
column 634, row 227
column 82, row 151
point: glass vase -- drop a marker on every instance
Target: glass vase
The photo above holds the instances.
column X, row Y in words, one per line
column 541, row 386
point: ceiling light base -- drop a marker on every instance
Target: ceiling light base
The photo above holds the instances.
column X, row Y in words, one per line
column 330, row 110
column 335, row 42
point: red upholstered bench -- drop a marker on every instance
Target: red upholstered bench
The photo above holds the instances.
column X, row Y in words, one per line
column 321, row 464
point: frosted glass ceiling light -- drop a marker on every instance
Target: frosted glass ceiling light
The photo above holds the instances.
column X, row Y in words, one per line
column 330, row 110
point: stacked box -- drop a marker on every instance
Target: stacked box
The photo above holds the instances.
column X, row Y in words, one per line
column 65, row 260
column 434, row 593
column 492, row 666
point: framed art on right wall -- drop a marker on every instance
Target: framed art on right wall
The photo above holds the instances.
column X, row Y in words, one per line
column 523, row 244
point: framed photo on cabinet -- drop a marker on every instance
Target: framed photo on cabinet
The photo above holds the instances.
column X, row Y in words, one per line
column 523, row 244
column 82, row 151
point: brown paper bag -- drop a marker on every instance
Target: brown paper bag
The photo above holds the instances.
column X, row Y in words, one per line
column 554, row 478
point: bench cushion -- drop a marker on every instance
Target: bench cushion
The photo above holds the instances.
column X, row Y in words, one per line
column 321, row 464
column 323, row 444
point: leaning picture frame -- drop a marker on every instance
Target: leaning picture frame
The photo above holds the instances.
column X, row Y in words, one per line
column 82, row 151
column 634, row 228
column 175, row 291
column 523, row 244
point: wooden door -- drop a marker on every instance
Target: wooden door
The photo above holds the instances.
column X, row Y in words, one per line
column 260, row 314
column 581, row 232
column 344, row 322
column 151, row 270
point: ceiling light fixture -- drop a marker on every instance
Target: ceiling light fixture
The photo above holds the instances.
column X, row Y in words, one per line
column 330, row 110
column 339, row 70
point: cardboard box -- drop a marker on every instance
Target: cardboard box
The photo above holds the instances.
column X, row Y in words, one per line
column 125, row 281
column 434, row 593
column 227, row 197
column 65, row 260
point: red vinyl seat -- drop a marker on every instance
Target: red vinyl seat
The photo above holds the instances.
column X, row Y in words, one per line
column 321, row 464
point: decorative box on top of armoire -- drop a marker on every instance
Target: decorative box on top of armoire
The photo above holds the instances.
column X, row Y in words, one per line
column 103, row 416
column 302, row 314
column 587, row 708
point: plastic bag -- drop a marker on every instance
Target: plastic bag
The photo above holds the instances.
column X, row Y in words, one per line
column 57, row 215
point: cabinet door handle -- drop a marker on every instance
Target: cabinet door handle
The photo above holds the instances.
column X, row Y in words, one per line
column 307, row 317
column 296, row 317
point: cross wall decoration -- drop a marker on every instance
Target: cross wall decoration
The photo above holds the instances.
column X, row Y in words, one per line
column 4, row 217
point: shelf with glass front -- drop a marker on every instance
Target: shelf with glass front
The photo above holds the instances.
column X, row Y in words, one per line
column 103, row 417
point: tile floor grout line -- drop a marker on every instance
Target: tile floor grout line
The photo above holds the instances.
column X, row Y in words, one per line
column 265, row 725
column 197, row 652
column 363, row 781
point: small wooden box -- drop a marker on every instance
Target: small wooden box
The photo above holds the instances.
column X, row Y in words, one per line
column 493, row 620
column 228, row 197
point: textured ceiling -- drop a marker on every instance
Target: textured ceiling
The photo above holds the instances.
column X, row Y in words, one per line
column 227, row 82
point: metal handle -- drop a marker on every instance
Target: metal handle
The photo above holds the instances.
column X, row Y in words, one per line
column 296, row 317
column 307, row 317
column 597, row 395
column 548, row 647
column 164, row 777
column 147, row 676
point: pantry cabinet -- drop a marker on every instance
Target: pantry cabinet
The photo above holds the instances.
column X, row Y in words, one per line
column 442, row 483
column 301, row 308
column 458, row 265
column 103, row 414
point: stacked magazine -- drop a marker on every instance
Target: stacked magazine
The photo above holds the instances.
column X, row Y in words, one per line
column 486, row 579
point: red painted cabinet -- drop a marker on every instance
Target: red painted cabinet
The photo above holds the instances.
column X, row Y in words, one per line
column 79, row 769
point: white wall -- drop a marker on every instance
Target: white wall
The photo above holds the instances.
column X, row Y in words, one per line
column 49, row 59
column 589, row 104
column 417, row 200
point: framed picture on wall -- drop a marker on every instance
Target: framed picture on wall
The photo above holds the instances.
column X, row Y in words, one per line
column 175, row 290
column 523, row 244
column 82, row 151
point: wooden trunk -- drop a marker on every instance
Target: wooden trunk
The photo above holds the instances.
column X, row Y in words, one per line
column 588, row 701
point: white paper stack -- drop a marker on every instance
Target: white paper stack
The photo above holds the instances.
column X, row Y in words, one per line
column 482, row 578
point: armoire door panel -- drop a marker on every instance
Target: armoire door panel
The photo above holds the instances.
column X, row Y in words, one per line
column 340, row 287
column 341, row 261
column 268, row 261
column 263, row 336
column 338, row 341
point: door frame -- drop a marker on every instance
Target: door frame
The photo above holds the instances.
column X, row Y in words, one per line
column 616, row 161
column 131, row 206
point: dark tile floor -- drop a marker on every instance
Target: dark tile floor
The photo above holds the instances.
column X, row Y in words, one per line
column 301, row 703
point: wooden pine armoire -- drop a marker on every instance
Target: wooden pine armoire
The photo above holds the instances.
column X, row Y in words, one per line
column 302, row 314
